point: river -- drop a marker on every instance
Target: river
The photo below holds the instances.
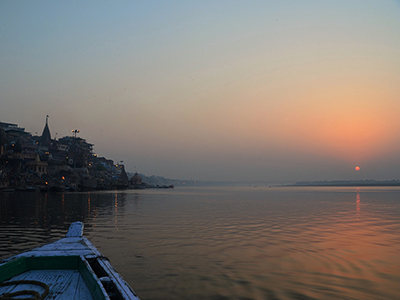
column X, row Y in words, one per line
column 227, row 242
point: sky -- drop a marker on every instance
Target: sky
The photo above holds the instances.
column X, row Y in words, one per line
column 275, row 91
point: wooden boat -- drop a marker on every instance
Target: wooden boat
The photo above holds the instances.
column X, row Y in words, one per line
column 70, row 268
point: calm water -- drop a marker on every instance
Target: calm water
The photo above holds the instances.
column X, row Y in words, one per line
column 227, row 243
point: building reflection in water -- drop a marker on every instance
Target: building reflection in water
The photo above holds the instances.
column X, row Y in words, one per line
column 31, row 219
column 88, row 205
column 116, row 211
column 58, row 210
column 63, row 201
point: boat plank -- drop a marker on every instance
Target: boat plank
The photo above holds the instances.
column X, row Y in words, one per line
column 125, row 289
column 64, row 247
column 74, row 289
column 16, row 288
column 75, row 230
column 56, row 253
column 66, row 244
column 63, row 284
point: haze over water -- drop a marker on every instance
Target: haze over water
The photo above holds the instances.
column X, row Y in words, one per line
column 276, row 91
column 227, row 242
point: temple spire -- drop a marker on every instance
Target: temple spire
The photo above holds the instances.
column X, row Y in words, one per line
column 45, row 139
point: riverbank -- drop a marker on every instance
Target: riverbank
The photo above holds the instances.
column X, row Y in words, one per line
column 348, row 183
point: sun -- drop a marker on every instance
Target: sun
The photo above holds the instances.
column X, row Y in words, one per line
column 357, row 168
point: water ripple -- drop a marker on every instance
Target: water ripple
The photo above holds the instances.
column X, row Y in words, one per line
column 229, row 243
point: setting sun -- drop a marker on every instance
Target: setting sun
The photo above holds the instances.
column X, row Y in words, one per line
column 357, row 168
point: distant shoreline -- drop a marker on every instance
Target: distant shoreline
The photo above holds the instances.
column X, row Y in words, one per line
column 348, row 183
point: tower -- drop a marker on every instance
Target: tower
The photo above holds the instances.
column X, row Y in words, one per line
column 45, row 139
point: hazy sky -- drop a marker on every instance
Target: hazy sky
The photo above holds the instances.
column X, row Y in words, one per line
column 212, row 90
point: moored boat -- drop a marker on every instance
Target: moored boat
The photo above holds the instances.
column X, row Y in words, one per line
column 70, row 268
